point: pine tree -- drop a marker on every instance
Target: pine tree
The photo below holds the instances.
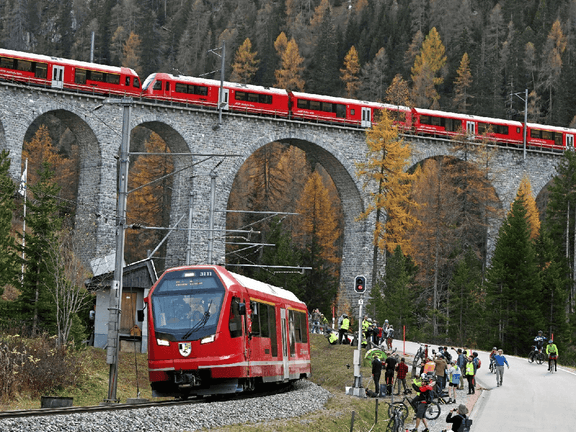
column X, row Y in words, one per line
column 513, row 288
column 384, row 176
column 552, row 68
column 373, row 77
column 8, row 248
column 43, row 222
column 245, row 63
column 349, row 74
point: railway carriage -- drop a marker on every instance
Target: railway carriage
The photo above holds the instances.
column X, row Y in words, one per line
column 67, row 74
column 212, row 331
column 550, row 137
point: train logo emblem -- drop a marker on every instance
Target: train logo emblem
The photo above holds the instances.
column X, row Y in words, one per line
column 185, row 348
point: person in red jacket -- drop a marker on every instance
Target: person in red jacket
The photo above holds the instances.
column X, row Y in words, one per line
column 422, row 401
column 402, row 369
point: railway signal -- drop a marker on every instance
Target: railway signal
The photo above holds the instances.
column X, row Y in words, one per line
column 360, row 284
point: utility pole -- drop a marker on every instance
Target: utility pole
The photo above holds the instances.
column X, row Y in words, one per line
column 115, row 307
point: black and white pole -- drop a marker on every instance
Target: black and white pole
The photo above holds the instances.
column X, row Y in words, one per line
column 357, row 389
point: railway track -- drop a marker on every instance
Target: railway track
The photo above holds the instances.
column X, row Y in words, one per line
column 266, row 391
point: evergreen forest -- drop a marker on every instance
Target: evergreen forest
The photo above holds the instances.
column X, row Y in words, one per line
column 432, row 268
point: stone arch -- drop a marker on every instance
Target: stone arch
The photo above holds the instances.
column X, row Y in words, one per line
column 89, row 188
column 357, row 247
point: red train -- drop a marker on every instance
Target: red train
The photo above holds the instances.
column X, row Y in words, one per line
column 89, row 77
column 211, row 331
column 73, row 75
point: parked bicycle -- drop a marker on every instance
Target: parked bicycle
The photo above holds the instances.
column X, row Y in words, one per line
column 432, row 412
column 397, row 417
column 419, row 358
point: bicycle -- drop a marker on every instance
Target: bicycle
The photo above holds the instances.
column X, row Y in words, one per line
column 492, row 366
column 396, row 420
column 536, row 355
column 432, row 412
column 419, row 357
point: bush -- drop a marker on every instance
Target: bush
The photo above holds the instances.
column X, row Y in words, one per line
column 36, row 366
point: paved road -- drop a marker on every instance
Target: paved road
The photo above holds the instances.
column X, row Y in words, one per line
column 530, row 399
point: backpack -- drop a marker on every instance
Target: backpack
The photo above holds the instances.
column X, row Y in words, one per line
column 479, row 363
column 465, row 426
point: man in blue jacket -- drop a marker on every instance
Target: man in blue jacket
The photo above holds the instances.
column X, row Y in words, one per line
column 500, row 360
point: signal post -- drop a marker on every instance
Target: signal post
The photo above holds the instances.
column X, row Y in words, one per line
column 357, row 389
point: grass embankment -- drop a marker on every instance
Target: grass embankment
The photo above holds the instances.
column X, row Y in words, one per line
column 329, row 370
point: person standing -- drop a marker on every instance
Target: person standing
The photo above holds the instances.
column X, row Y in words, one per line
column 552, row 351
column 402, row 371
column 454, row 375
column 440, row 370
column 376, row 372
column 422, row 402
column 470, row 372
column 343, row 329
column 389, row 375
column 461, row 362
column 499, row 361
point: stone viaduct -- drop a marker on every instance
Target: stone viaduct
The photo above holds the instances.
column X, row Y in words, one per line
column 193, row 134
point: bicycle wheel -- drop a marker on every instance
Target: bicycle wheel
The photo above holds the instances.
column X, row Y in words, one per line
column 400, row 408
column 539, row 358
column 433, row 411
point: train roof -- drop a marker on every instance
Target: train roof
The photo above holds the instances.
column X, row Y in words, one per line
column 75, row 63
column 266, row 288
column 228, row 84
column 335, row 99
column 468, row 117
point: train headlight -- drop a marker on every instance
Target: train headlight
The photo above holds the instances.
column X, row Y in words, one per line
column 162, row 342
column 208, row 339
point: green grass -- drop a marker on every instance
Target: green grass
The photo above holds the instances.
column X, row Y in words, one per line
column 329, row 370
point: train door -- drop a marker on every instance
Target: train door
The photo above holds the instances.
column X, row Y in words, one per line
column 57, row 77
column 366, row 117
column 284, row 331
column 471, row 128
column 570, row 142
column 225, row 98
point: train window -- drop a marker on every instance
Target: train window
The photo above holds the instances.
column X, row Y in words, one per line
column 24, row 65
column 157, row 85
column 352, row 112
column 235, row 322
column 315, row 105
column 558, row 139
column 113, row 79
column 127, row 81
column 264, row 327
column 240, row 96
column 450, row 125
column 326, row 107
column 302, row 104
column 425, row 119
column 273, row 337
column 80, row 76
column 201, row 90
column 292, row 333
column 6, row 63
column 252, row 97
column 265, row 99
column 255, row 318
column 41, row 70
column 96, row 76
column 167, row 86
column 136, row 83
column 181, row 88
column 437, row 121
column 535, row 133
column 547, row 135
column 341, row 111
column 517, row 130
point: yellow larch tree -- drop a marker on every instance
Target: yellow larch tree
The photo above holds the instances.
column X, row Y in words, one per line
column 245, row 63
column 462, row 84
column 131, row 52
column 149, row 198
column 426, row 72
column 388, row 183
column 349, row 74
column 289, row 76
column 525, row 193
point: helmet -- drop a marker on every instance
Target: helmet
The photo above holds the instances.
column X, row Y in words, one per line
column 550, row 341
column 424, row 376
column 385, row 320
column 369, row 319
column 345, row 316
column 539, row 331
column 495, row 349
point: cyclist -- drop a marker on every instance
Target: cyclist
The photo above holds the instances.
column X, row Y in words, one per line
column 539, row 341
column 552, row 351
column 422, row 402
column 492, row 354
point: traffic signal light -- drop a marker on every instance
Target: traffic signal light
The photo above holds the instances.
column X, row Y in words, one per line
column 360, row 284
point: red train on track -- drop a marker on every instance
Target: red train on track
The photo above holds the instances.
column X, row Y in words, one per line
column 211, row 331
column 96, row 79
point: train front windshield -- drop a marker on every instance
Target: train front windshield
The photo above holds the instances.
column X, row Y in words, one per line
column 186, row 304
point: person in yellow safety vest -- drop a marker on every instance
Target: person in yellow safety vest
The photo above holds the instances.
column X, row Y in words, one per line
column 470, row 372
column 429, row 367
column 333, row 338
column 343, row 329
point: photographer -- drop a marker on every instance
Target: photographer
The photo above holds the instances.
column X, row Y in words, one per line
column 456, row 417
